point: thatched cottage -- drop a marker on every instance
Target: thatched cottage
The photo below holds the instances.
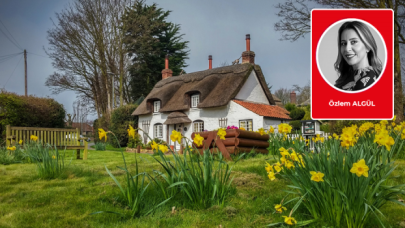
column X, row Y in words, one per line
column 206, row 100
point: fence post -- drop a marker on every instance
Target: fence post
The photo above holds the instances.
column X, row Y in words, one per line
column 8, row 134
column 78, row 143
column 85, row 150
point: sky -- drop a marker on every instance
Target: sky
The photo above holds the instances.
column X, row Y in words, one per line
column 212, row 27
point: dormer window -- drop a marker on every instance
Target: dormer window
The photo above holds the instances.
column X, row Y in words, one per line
column 156, row 106
column 195, row 100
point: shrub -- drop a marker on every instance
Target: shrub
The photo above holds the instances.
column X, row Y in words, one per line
column 134, row 142
column 10, row 156
column 290, row 107
column 297, row 114
column 100, row 146
column 325, row 127
column 296, row 124
column 121, row 118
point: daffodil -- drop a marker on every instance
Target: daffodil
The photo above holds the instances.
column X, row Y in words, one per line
column 261, row 131
column 289, row 164
column 268, row 167
column 335, row 136
column 154, row 145
column 11, row 148
column 289, row 220
column 53, row 157
column 277, row 166
column 221, row 133
column 271, row 130
column 34, row 138
column 284, row 153
column 131, row 132
column 271, row 176
column 279, row 208
column 163, row 148
column 384, row 139
column 316, row 176
column 102, row 134
column 242, row 128
column 175, row 136
column 383, row 122
column 198, row 140
column 284, row 128
column 20, row 142
column 360, row 168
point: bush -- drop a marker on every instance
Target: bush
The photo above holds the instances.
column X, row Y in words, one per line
column 121, row 118
column 31, row 111
column 134, row 142
column 100, row 146
column 295, row 124
column 158, row 141
column 297, row 114
column 290, row 107
column 10, row 156
column 325, row 128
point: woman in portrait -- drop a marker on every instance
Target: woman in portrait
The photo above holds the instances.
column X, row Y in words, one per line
column 357, row 63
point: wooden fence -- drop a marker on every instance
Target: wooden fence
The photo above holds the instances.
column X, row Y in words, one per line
column 59, row 137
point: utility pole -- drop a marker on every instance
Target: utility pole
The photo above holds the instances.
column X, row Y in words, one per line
column 25, row 63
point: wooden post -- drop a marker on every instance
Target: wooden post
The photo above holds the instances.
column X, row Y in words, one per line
column 8, row 134
column 85, row 150
column 78, row 143
column 138, row 149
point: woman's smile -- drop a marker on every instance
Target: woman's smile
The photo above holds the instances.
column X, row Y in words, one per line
column 353, row 49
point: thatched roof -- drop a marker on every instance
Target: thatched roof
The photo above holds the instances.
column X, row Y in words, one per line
column 176, row 118
column 216, row 88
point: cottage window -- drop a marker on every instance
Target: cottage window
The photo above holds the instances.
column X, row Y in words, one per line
column 156, row 106
column 198, row 126
column 195, row 99
column 247, row 124
column 223, row 122
column 158, row 130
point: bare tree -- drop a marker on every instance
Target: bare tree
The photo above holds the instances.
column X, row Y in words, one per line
column 295, row 23
column 303, row 93
column 283, row 94
column 86, row 47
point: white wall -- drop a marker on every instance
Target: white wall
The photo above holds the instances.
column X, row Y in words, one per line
column 271, row 122
column 252, row 90
column 233, row 111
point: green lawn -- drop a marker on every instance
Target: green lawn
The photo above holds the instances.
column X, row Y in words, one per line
column 27, row 201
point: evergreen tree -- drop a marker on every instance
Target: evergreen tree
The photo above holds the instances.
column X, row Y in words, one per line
column 149, row 37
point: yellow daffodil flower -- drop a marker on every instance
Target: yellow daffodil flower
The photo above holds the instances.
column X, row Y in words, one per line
column 154, row 145
column 102, row 134
column 221, row 133
column 175, row 136
column 360, row 168
column 261, row 131
column 34, row 138
column 284, row 128
column 277, row 167
column 284, row 152
column 271, row 130
column 289, row 164
column 316, row 176
column 242, row 128
column 383, row 122
column 11, row 148
column 393, row 124
column 271, row 176
column 198, row 140
column 279, row 208
column 163, row 148
column 20, row 142
column 268, row 167
column 53, row 157
column 329, row 137
column 384, row 139
column 131, row 132
column 335, row 136
column 289, row 220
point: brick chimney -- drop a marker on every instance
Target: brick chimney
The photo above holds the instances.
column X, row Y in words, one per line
column 248, row 56
column 166, row 73
column 210, row 62
column 293, row 98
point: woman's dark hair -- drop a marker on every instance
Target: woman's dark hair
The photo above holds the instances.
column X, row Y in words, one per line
column 367, row 38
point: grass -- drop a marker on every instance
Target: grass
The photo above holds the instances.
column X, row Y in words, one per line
column 85, row 187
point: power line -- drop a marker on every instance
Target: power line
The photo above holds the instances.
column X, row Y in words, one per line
column 4, row 59
column 18, row 45
column 10, row 54
column 37, row 54
column 13, row 71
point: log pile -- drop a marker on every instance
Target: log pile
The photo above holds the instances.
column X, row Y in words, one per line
column 236, row 141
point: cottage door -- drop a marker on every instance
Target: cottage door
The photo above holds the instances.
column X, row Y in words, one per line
column 178, row 128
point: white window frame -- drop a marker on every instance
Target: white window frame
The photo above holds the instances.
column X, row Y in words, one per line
column 198, row 126
column 156, row 106
column 158, row 130
column 195, row 100
column 245, row 124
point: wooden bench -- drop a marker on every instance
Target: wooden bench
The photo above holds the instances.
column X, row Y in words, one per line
column 60, row 137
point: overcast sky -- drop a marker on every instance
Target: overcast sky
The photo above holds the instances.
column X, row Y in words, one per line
column 212, row 27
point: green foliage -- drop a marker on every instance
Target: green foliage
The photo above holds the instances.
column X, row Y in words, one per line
column 121, row 118
column 149, row 44
column 9, row 157
column 325, row 128
column 134, row 142
column 50, row 164
column 307, row 115
column 296, row 124
column 200, row 178
column 297, row 114
column 30, row 111
column 100, row 146
column 340, row 124
column 290, row 107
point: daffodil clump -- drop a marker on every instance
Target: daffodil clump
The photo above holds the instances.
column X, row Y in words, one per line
column 340, row 184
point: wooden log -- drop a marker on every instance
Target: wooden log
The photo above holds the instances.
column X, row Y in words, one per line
column 242, row 142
